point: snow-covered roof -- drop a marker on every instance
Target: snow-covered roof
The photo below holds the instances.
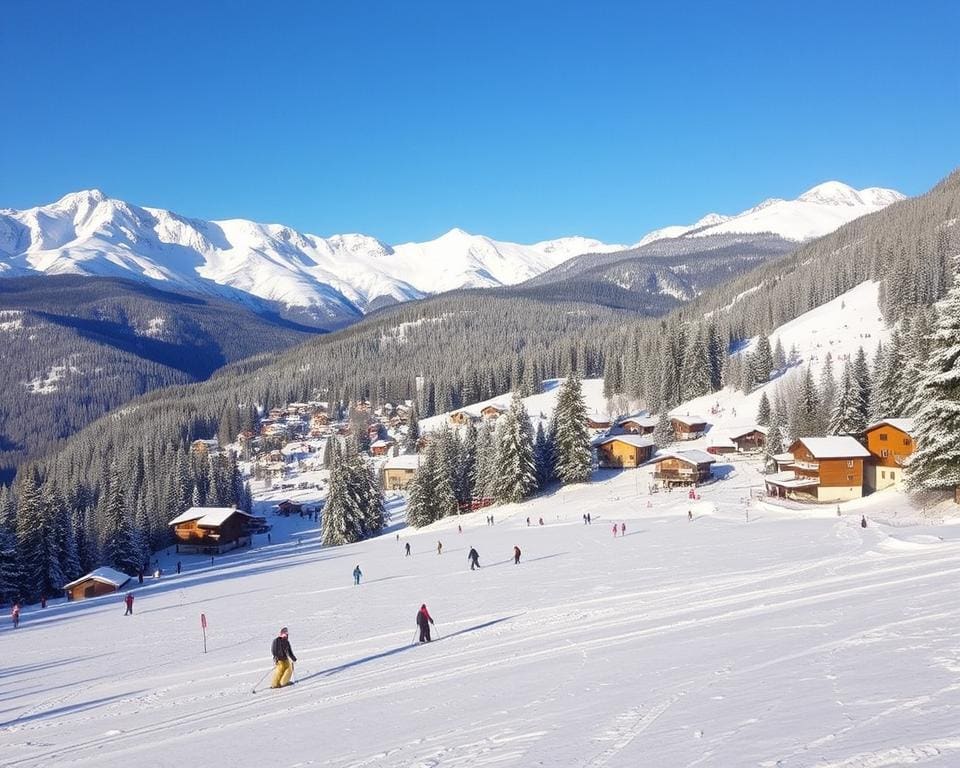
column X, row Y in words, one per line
column 105, row 575
column 635, row 440
column 691, row 456
column 207, row 516
column 687, row 419
column 407, row 461
column 382, row 443
column 834, row 447
column 643, row 419
column 789, row 480
column 747, row 431
column 904, row 425
column 782, row 457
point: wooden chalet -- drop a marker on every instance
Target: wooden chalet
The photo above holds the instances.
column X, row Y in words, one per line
column 462, row 418
column 686, row 467
column 597, row 422
column 382, row 447
column 492, row 411
column 398, row 471
column 890, row 443
column 617, row 451
column 750, row 440
column 826, row 469
column 688, row 427
column 102, row 581
column 205, row 447
column 287, row 508
column 211, row 530
column 638, row 424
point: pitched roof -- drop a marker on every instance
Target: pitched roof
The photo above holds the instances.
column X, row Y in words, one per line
column 687, row 419
column 788, row 480
column 383, row 443
column 834, row 447
column 635, row 440
column 407, row 461
column 691, row 456
column 904, row 425
column 207, row 516
column 747, row 430
column 643, row 419
column 105, row 575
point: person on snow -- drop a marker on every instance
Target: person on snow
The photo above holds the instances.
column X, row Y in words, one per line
column 623, row 529
column 15, row 615
column 128, row 600
column 439, row 547
column 459, row 529
column 407, row 547
column 424, row 620
column 528, row 522
column 43, row 601
column 541, row 521
column 589, row 519
column 516, row 555
column 179, row 566
column 614, row 530
column 357, row 573
column 863, row 521
column 474, row 557
column 283, row 659
column 690, row 515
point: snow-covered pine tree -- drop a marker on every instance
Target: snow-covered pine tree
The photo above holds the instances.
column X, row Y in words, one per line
column 847, row 417
column 807, row 415
column 571, row 444
column 516, row 475
column 774, row 442
column 763, row 410
column 420, row 494
column 413, row 429
column 828, row 386
column 466, row 461
column 37, row 539
column 761, row 360
column 482, row 476
column 10, row 574
column 119, row 545
column 695, row 373
column 66, row 540
column 936, row 462
column 543, row 457
column 779, row 357
column 663, row 433
column 716, row 352
column 443, row 451
column 888, row 379
column 342, row 516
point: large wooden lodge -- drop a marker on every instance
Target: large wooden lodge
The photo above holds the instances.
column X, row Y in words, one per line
column 211, row 530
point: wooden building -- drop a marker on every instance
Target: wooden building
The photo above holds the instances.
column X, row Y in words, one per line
column 826, row 469
column 398, row 471
column 381, row 447
column 492, row 411
column 890, row 443
column 102, row 581
column 205, row 447
column 597, row 422
column 638, row 424
column 287, row 508
column 616, row 451
column 211, row 530
column 688, row 427
column 750, row 440
column 461, row 417
column 686, row 467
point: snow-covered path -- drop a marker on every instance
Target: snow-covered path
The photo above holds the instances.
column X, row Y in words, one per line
column 788, row 640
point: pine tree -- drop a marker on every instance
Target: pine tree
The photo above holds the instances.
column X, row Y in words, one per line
column 515, row 470
column 763, row 410
column 888, row 380
column 663, row 433
column 807, row 416
column 543, row 457
column 120, row 546
column 828, row 386
column 482, row 477
column 342, row 516
column 444, row 453
column 466, row 461
column 779, row 358
column 847, row 417
column 413, row 429
column 420, row 495
column 761, row 361
column 774, row 442
column 936, row 462
column 10, row 573
column 571, row 445
column 37, row 537
column 716, row 352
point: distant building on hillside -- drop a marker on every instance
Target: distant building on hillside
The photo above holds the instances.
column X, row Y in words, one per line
column 890, row 443
column 688, row 427
column 492, row 411
column 102, row 581
column 619, row 451
column 461, row 417
column 750, row 440
column 211, row 530
column 826, row 469
column 205, row 447
column 382, row 447
column 638, row 424
column 683, row 467
column 398, row 471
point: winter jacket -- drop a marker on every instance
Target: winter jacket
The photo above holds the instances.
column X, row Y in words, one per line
column 423, row 617
column 281, row 650
column 473, row 555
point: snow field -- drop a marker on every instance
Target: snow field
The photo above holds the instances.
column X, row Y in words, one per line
column 788, row 641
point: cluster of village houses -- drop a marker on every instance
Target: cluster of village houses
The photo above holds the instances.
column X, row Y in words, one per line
column 290, row 439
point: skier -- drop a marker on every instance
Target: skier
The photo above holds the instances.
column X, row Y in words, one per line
column 407, row 546
column 623, row 529
column 178, row 567
column 424, row 620
column 516, row 555
column 140, row 576
column 690, row 515
column 15, row 615
column 459, row 529
column 439, row 547
column 584, row 519
column 838, row 510
column 357, row 573
column 541, row 521
column 589, row 520
column 863, row 521
column 474, row 557
column 129, row 601
column 283, row 658
column 43, row 601
column 528, row 522
column 614, row 530
column 492, row 522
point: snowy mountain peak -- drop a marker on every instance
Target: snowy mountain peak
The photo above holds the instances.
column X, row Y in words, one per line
column 832, row 193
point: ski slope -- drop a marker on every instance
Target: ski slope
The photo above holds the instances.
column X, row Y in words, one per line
column 789, row 639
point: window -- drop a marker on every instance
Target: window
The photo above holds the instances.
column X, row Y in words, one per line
column 883, row 475
column 906, row 441
column 884, row 453
column 850, row 463
column 883, row 437
column 893, row 476
column 849, row 478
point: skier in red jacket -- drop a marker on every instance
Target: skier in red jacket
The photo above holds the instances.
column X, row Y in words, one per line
column 424, row 620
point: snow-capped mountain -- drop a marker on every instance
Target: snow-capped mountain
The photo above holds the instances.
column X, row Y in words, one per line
column 335, row 278
column 817, row 212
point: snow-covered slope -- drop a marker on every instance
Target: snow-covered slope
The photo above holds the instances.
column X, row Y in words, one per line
column 817, row 212
column 335, row 277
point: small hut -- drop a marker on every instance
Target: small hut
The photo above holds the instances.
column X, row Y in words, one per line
column 102, row 581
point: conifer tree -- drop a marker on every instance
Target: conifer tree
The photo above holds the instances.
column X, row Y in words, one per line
column 779, row 357
column 120, row 546
column 37, row 539
column 763, row 410
column 828, row 386
column 716, row 352
column 861, row 375
column 888, row 380
column 807, row 417
column 663, row 433
column 515, row 470
column 936, row 462
column 10, row 573
column 482, row 477
column 543, row 457
column 761, row 361
column 413, row 429
column 466, row 461
column 420, row 494
column 847, row 417
column 695, row 374
column 571, row 443
column 342, row 516
column 774, row 442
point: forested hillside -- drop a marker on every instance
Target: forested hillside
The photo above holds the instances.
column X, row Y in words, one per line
column 76, row 347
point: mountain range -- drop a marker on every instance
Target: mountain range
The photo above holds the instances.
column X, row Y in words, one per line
column 332, row 281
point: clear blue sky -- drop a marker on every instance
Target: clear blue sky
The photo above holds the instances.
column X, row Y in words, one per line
column 520, row 120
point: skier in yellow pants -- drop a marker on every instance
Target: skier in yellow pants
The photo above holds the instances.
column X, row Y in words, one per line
column 283, row 658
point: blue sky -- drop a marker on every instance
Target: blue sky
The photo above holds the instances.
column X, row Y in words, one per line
column 520, row 120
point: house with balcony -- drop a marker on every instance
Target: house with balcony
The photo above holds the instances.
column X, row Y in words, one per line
column 684, row 467
column 890, row 443
column 211, row 530
column 687, row 427
column 638, row 424
column 619, row 451
column 823, row 469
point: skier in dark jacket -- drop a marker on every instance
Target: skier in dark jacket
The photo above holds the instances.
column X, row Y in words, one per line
column 474, row 558
column 863, row 521
column 129, row 601
column 424, row 620
column 407, row 548
column 516, row 555
column 283, row 658
column 357, row 573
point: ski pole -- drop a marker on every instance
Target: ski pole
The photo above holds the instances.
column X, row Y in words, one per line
column 414, row 637
column 435, row 629
column 261, row 680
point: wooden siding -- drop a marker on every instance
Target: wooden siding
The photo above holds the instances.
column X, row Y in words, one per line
column 89, row 588
column 620, row 454
column 887, row 439
column 750, row 441
column 832, row 473
column 397, row 479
